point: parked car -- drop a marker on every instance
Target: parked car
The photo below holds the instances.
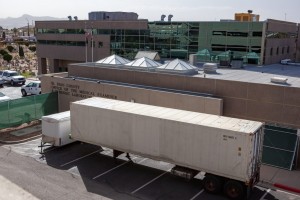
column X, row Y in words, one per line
column 285, row 61
column 1, row 82
column 13, row 77
column 34, row 87
column 3, row 97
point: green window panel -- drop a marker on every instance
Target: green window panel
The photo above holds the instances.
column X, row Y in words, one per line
column 279, row 147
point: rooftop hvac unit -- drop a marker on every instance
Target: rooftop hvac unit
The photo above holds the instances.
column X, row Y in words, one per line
column 210, row 67
column 279, row 80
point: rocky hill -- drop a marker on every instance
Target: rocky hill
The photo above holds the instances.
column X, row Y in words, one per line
column 10, row 23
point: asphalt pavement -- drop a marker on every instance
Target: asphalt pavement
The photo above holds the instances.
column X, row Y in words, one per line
column 13, row 92
column 91, row 172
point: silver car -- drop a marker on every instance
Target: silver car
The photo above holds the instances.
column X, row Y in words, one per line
column 1, row 82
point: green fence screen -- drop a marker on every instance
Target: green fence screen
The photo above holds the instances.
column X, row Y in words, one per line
column 18, row 111
column 280, row 145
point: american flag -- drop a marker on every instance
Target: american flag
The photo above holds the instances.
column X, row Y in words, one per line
column 87, row 36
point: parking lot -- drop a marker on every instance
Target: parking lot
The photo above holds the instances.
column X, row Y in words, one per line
column 140, row 178
column 13, row 92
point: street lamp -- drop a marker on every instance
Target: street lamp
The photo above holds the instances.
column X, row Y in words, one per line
column 27, row 27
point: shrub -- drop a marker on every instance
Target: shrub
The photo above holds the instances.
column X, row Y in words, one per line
column 32, row 48
column 10, row 48
column 3, row 52
column 7, row 57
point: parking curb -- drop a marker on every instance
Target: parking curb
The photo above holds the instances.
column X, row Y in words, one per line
column 287, row 188
column 276, row 186
column 19, row 141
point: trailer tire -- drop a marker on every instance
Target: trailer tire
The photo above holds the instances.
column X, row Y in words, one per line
column 212, row 184
column 234, row 190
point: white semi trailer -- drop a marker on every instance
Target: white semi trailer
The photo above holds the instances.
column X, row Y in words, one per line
column 227, row 149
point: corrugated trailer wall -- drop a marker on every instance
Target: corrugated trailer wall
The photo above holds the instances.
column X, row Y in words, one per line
column 211, row 143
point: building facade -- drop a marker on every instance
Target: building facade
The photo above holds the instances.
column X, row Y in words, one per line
column 62, row 42
column 275, row 104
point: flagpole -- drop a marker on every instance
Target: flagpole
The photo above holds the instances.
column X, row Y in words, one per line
column 92, row 44
column 86, row 41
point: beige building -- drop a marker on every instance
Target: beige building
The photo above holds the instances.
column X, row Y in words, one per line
column 269, row 94
column 60, row 43
column 247, row 94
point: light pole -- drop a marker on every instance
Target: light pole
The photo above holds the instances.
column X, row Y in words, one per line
column 27, row 27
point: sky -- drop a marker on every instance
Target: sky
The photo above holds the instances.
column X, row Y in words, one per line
column 188, row 10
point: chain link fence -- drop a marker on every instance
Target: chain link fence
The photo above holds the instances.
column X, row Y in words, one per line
column 23, row 110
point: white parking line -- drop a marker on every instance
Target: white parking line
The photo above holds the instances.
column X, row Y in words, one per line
column 106, row 152
column 142, row 160
column 194, row 197
column 111, row 170
column 288, row 193
column 149, row 182
column 80, row 158
column 267, row 192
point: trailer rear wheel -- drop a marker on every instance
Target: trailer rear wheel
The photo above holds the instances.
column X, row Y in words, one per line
column 212, row 184
column 234, row 189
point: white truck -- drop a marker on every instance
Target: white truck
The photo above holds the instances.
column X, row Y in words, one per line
column 227, row 149
column 13, row 77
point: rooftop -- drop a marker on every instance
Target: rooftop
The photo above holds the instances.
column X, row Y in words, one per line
column 258, row 74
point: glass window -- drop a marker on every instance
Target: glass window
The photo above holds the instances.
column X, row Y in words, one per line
column 271, row 52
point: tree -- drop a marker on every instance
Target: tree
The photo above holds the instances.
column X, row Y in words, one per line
column 7, row 57
column 15, row 30
column 21, row 51
column 3, row 52
column 32, row 48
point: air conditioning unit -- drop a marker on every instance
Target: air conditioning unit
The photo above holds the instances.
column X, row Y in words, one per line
column 280, row 80
column 210, row 67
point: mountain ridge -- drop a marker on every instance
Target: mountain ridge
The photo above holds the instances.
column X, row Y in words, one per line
column 11, row 22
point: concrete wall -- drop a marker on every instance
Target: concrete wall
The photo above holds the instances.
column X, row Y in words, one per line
column 73, row 90
column 268, row 103
column 282, row 44
column 298, row 46
column 78, row 53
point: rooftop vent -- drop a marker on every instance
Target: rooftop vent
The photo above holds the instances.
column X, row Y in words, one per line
column 162, row 18
column 210, row 67
column 170, row 17
column 70, row 18
column 250, row 11
column 279, row 80
column 75, row 18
